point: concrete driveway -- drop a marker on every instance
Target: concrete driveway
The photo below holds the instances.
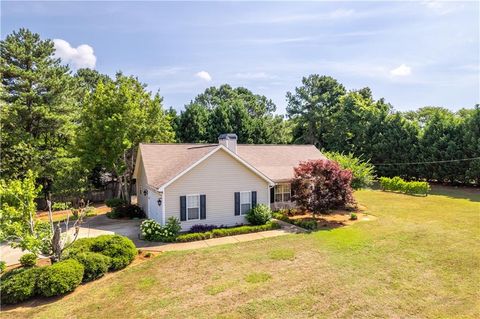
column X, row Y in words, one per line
column 92, row 227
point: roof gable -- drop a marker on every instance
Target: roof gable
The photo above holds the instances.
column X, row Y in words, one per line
column 165, row 163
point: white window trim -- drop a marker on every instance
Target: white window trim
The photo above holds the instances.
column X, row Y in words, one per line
column 275, row 193
column 187, row 207
column 250, row 201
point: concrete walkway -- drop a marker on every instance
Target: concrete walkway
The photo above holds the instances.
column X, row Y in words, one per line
column 214, row 241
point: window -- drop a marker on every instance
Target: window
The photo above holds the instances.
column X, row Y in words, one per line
column 282, row 193
column 193, row 207
column 245, row 202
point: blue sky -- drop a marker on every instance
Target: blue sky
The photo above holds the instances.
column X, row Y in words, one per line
column 411, row 53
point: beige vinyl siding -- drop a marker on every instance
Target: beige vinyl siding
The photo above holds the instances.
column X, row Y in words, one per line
column 148, row 202
column 142, row 200
column 218, row 177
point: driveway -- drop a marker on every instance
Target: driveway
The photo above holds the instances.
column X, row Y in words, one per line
column 92, row 227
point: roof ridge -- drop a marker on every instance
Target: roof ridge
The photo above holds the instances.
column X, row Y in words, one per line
column 202, row 144
column 277, row 145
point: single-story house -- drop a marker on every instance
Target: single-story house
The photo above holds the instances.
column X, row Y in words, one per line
column 215, row 183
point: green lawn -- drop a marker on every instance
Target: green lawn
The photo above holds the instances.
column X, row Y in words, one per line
column 419, row 259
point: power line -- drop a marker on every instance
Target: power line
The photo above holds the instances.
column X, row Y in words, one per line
column 432, row 162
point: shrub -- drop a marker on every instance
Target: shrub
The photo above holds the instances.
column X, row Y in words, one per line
column 90, row 211
column 397, row 184
column 3, row 266
column 28, row 260
column 120, row 249
column 126, row 211
column 60, row 278
column 194, row 236
column 153, row 231
column 306, row 224
column 81, row 245
column 353, row 216
column 363, row 171
column 199, row 228
column 18, row 284
column 259, row 215
column 321, row 185
column 148, row 255
column 223, row 232
column 114, row 202
column 96, row 265
column 61, row 206
column 281, row 215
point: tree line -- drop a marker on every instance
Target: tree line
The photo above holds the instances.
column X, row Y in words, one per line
column 77, row 130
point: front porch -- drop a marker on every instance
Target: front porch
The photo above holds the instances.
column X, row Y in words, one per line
column 281, row 197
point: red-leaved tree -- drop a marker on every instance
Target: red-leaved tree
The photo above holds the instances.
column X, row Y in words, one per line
column 321, row 185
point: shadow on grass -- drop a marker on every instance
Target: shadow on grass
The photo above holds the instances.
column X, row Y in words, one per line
column 460, row 192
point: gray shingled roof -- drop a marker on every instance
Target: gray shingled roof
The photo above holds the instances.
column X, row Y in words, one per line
column 163, row 162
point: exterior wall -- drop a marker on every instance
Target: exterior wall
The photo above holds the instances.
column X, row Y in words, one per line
column 218, row 177
column 149, row 202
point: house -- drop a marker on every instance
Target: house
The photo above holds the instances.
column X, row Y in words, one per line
column 215, row 183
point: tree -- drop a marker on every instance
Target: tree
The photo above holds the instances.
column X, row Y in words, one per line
column 38, row 107
column 362, row 171
column 20, row 226
column 321, row 185
column 311, row 107
column 471, row 144
column 116, row 117
column 194, row 124
column 235, row 110
column 18, row 222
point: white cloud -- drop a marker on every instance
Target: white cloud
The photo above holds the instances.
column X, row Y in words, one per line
column 81, row 56
column 402, row 70
column 204, row 75
column 440, row 7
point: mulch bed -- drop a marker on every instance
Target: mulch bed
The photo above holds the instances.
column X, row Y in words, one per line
column 335, row 219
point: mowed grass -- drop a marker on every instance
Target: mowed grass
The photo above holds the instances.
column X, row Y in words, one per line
column 419, row 259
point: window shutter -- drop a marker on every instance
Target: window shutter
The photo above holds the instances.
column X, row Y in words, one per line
column 203, row 206
column 183, row 208
column 291, row 193
column 272, row 194
column 254, row 198
column 237, row 203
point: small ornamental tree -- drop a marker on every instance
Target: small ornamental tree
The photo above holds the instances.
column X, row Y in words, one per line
column 321, row 185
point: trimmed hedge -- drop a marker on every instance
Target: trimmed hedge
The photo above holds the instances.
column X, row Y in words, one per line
column 60, row 278
column 19, row 284
column 223, row 232
column 126, row 211
column 120, row 249
column 397, row 184
column 115, row 202
column 96, row 265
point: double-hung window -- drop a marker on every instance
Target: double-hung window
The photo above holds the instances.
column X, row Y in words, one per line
column 245, row 202
column 193, row 207
column 282, row 193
